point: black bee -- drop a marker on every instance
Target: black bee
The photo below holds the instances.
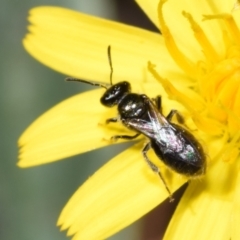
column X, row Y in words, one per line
column 174, row 145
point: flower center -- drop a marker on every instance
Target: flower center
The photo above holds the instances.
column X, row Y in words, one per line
column 219, row 81
column 215, row 79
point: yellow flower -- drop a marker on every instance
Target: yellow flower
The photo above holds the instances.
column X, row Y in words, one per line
column 198, row 66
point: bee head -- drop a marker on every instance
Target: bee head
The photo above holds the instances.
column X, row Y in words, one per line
column 115, row 93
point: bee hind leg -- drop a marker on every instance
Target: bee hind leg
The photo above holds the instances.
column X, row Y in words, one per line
column 155, row 169
column 173, row 112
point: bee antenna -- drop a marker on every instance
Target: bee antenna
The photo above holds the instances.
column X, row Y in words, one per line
column 70, row 79
column 110, row 63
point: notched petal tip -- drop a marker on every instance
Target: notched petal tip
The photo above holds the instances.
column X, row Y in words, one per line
column 76, row 45
column 67, row 129
column 70, row 128
column 119, row 193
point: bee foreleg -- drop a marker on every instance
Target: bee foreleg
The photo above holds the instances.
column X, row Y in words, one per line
column 115, row 119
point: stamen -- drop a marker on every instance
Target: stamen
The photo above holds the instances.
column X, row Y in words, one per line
column 209, row 125
column 210, row 83
column 236, row 105
column 172, row 92
column 227, row 41
column 230, row 23
column 233, row 116
column 207, row 47
column 214, row 110
column 176, row 54
column 230, row 150
column 194, row 106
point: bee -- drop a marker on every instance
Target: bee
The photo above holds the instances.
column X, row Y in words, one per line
column 176, row 147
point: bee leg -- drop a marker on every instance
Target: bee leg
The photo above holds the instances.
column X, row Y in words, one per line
column 158, row 102
column 178, row 115
column 155, row 169
column 115, row 119
column 115, row 138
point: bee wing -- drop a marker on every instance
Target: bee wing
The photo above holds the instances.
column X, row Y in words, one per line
column 142, row 126
column 152, row 124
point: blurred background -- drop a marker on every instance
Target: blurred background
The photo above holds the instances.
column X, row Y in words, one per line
column 31, row 199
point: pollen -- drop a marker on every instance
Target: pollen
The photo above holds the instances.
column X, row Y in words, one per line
column 214, row 79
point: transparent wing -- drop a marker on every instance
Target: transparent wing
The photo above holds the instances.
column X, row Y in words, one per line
column 152, row 124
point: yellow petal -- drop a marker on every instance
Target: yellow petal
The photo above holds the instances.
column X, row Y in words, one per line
column 115, row 196
column 181, row 29
column 76, row 45
column 205, row 210
column 71, row 127
column 235, row 218
column 235, row 11
column 77, row 125
column 222, row 5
